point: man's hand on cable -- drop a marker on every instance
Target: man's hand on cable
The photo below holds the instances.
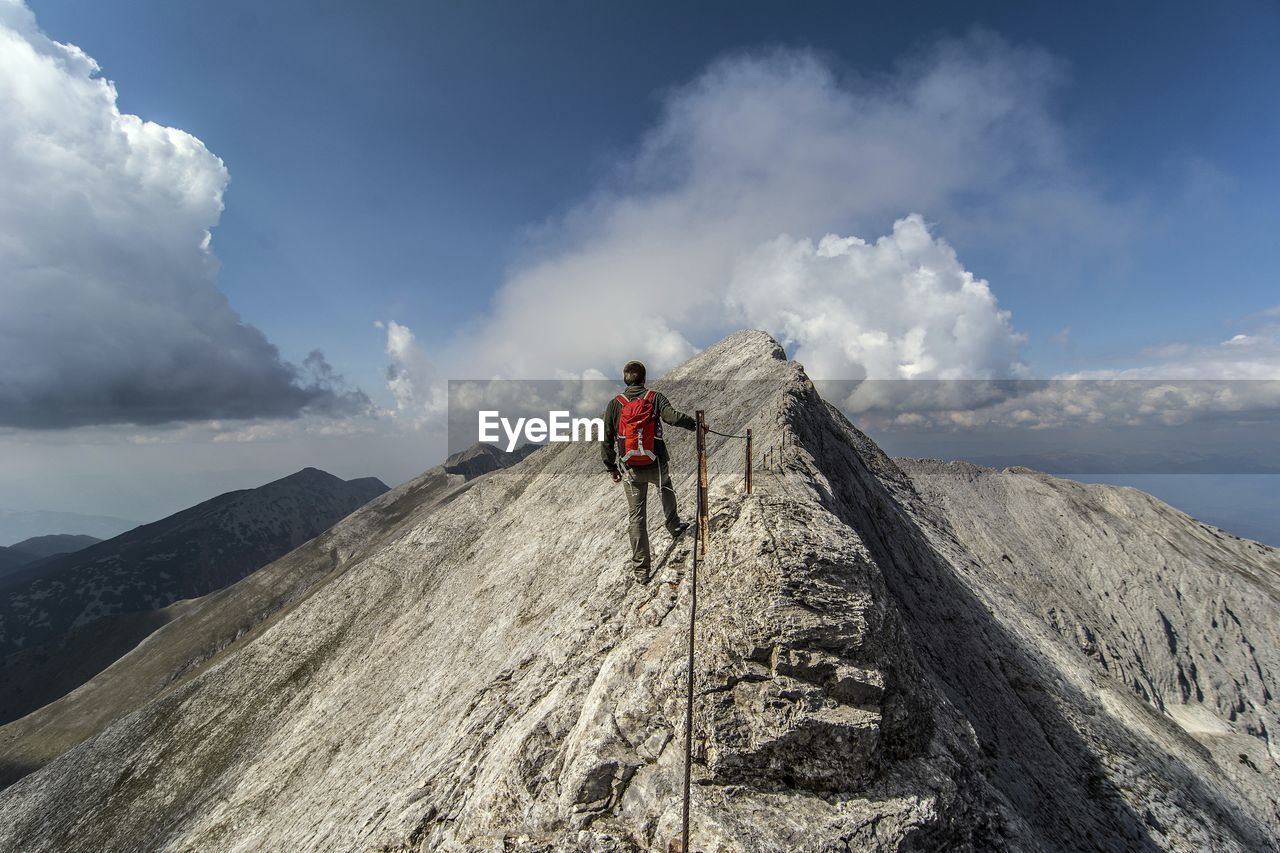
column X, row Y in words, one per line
column 616, row 475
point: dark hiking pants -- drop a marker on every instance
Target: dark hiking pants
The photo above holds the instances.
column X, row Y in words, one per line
column 636, row 482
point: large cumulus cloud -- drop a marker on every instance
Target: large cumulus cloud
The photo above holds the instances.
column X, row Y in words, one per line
column 109, row 309
column 725, row 203
column 901, row 307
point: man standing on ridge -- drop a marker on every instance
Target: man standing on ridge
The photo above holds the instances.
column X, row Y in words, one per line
column 635, row 455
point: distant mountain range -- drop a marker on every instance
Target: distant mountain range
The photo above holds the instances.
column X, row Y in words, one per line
column 19, row 524
column 56, row 543
column 482, row 458
column 38, row 547
column 65, row 617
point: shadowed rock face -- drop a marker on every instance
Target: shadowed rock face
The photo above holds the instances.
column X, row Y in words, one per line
column 484, row 674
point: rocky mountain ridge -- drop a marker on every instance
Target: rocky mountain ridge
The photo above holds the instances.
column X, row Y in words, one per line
column 190, row 633
column 36, row 548
column 16, row 524
column 485, row 675
column 39, row 547
column 64, row 618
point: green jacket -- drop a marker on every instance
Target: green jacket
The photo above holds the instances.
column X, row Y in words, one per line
column 667, row 412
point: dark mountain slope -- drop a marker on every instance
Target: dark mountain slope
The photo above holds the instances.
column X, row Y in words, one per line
column 65, row 618
column 10, row 560
column 188, row 554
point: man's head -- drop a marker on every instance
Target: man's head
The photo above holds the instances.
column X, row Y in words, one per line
column 633, row 373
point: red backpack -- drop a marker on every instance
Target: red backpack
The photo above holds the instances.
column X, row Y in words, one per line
column 638, row 430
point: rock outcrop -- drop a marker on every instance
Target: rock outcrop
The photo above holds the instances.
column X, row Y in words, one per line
column 485, row 675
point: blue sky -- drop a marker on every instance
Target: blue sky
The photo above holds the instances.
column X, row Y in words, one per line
column 386, row 158
column 426, row 164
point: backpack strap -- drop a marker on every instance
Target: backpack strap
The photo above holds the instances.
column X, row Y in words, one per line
column 652, row 397
column 622, row 399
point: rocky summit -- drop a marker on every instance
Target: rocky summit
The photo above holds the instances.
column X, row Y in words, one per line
column 891, row 655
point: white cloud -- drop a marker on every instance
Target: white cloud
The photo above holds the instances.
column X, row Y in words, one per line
column 760, row 155
column 419, row 391
column 1236, row 379
column 1252, row 355
column 109, row 309
column 900, row 308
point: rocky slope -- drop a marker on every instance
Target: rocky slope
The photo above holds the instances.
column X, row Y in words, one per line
column 62, row 619
column 1134, row 593
column 190, row 634
column 486, row 676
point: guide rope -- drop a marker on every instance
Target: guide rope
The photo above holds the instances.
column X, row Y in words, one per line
column 724, row 434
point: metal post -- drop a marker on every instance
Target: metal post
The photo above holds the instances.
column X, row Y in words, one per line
column 702, row 480
column 699, row 547
column 748, row 461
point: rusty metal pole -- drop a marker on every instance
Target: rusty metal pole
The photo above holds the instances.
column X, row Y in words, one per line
column 699, row 548
column 702, row 481
column 748, row 461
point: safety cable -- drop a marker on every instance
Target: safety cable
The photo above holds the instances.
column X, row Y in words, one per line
column 706, row 428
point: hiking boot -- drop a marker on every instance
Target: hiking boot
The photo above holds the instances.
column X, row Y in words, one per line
column 679, row 530
column 641, row 575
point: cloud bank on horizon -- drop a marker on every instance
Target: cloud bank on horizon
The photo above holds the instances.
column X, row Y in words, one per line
column 109, row 307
